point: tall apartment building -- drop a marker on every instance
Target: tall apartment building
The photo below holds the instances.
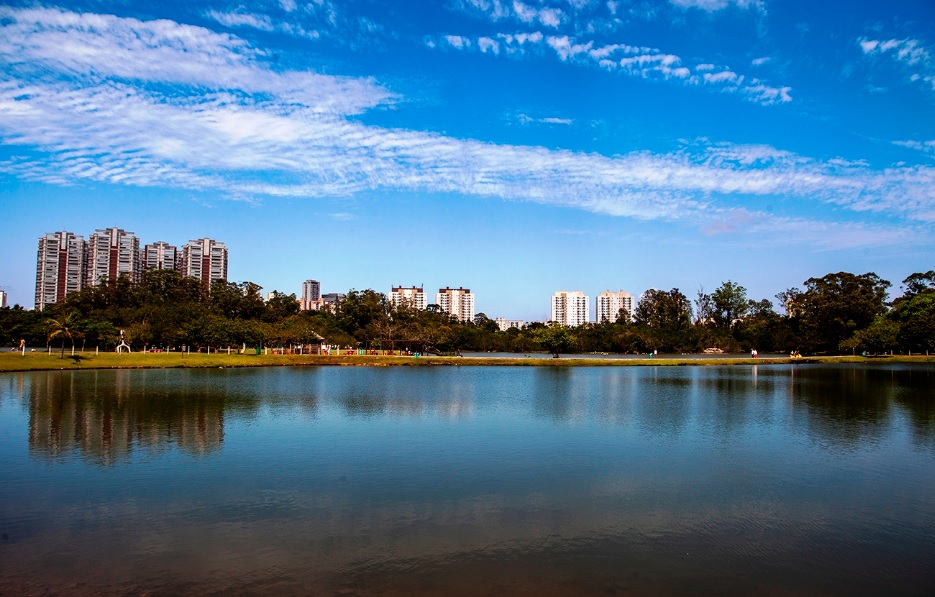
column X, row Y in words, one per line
column 311, row 295
column 160, row 255
column 570, row 308
column 409, row 296
column 2, row 299
column 111, row 253
column 611, row 303
column 456, row 301
column 204, row 259
column 60, row 267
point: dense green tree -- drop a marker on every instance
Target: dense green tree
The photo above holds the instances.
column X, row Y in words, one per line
column 554, row 339
column 914, row 312
column 918, row 283
column 832, row 308
column 880, row 336
column 666, row 317
column 17, row 323
column 664, row 310
column 730, row 304
column 280, row 306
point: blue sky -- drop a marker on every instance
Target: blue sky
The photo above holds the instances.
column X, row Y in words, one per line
column 516, row 148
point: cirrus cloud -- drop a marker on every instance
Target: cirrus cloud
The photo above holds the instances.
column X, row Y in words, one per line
column 163, row 104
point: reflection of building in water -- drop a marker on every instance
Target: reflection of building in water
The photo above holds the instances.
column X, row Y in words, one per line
column 97, row 415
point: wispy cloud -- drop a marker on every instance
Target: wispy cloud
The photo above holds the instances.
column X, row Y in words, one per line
column 716, row 5
column 91, row 97
column 927, row 147
column 635, row 61
column 910, row 53
column 261, row 22
column 515, row 10
column 241, row 19
column 526, row 119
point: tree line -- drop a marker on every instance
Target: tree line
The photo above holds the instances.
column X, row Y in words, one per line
column 837, row 313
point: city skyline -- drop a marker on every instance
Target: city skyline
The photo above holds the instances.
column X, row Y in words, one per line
column 67, row 263
column 513, row 147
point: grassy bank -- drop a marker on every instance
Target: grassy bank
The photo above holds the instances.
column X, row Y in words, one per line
column 14, row 361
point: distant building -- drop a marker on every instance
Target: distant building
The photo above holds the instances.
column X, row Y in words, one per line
column 611, row 304
column 204, row 259
column 408, row 296
column 110, row 254
column 331, row 300
column 2, row 299
column 311, row 296
column 60, row 267
column 456, row 301
column 160, row 255
column 505, row 324
column 570, row 308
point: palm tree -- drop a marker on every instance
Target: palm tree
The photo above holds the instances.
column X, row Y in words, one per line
column 64, row 327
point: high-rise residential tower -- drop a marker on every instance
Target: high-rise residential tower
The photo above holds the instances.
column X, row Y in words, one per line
column 311, row 295
column 60, row 267
column 614, row 304
column 409, row 296
column 2, row 299
column 204, row 259
column 570, row 308
column 110, row 254
column 456, row 301
column 160, row 255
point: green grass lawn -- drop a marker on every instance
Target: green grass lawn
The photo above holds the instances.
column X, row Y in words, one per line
column 35, row 361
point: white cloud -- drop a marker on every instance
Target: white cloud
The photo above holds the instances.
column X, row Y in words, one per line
column 458, row 42
column 87, row 45
column 927, row 147
column 526, row 119
column 564, row 47
column 495, row 10
column 238, row 19
column 760, row 61
column 643, row 62
column 722, row 77
column 551, row 17
column 716, row 5
column 485, row 44
column 225, row 120
column 909, row 52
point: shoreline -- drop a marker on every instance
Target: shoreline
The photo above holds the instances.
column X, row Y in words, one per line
column 11, row 362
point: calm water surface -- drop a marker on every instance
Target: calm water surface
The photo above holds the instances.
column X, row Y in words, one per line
column 782, row 479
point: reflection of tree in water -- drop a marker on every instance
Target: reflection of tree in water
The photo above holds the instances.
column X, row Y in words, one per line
column 664, row 401
column 916, row 396
column 405, row 392
column 106, row 415
column 851, row 406
column 554, row 392
column 735, row 397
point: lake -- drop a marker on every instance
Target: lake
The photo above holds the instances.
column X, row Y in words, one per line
column 779, row 479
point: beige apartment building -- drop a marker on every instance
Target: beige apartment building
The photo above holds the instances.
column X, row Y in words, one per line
column 408, row 296
column 570, row 308
column 613, row 304
column 456, row 301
